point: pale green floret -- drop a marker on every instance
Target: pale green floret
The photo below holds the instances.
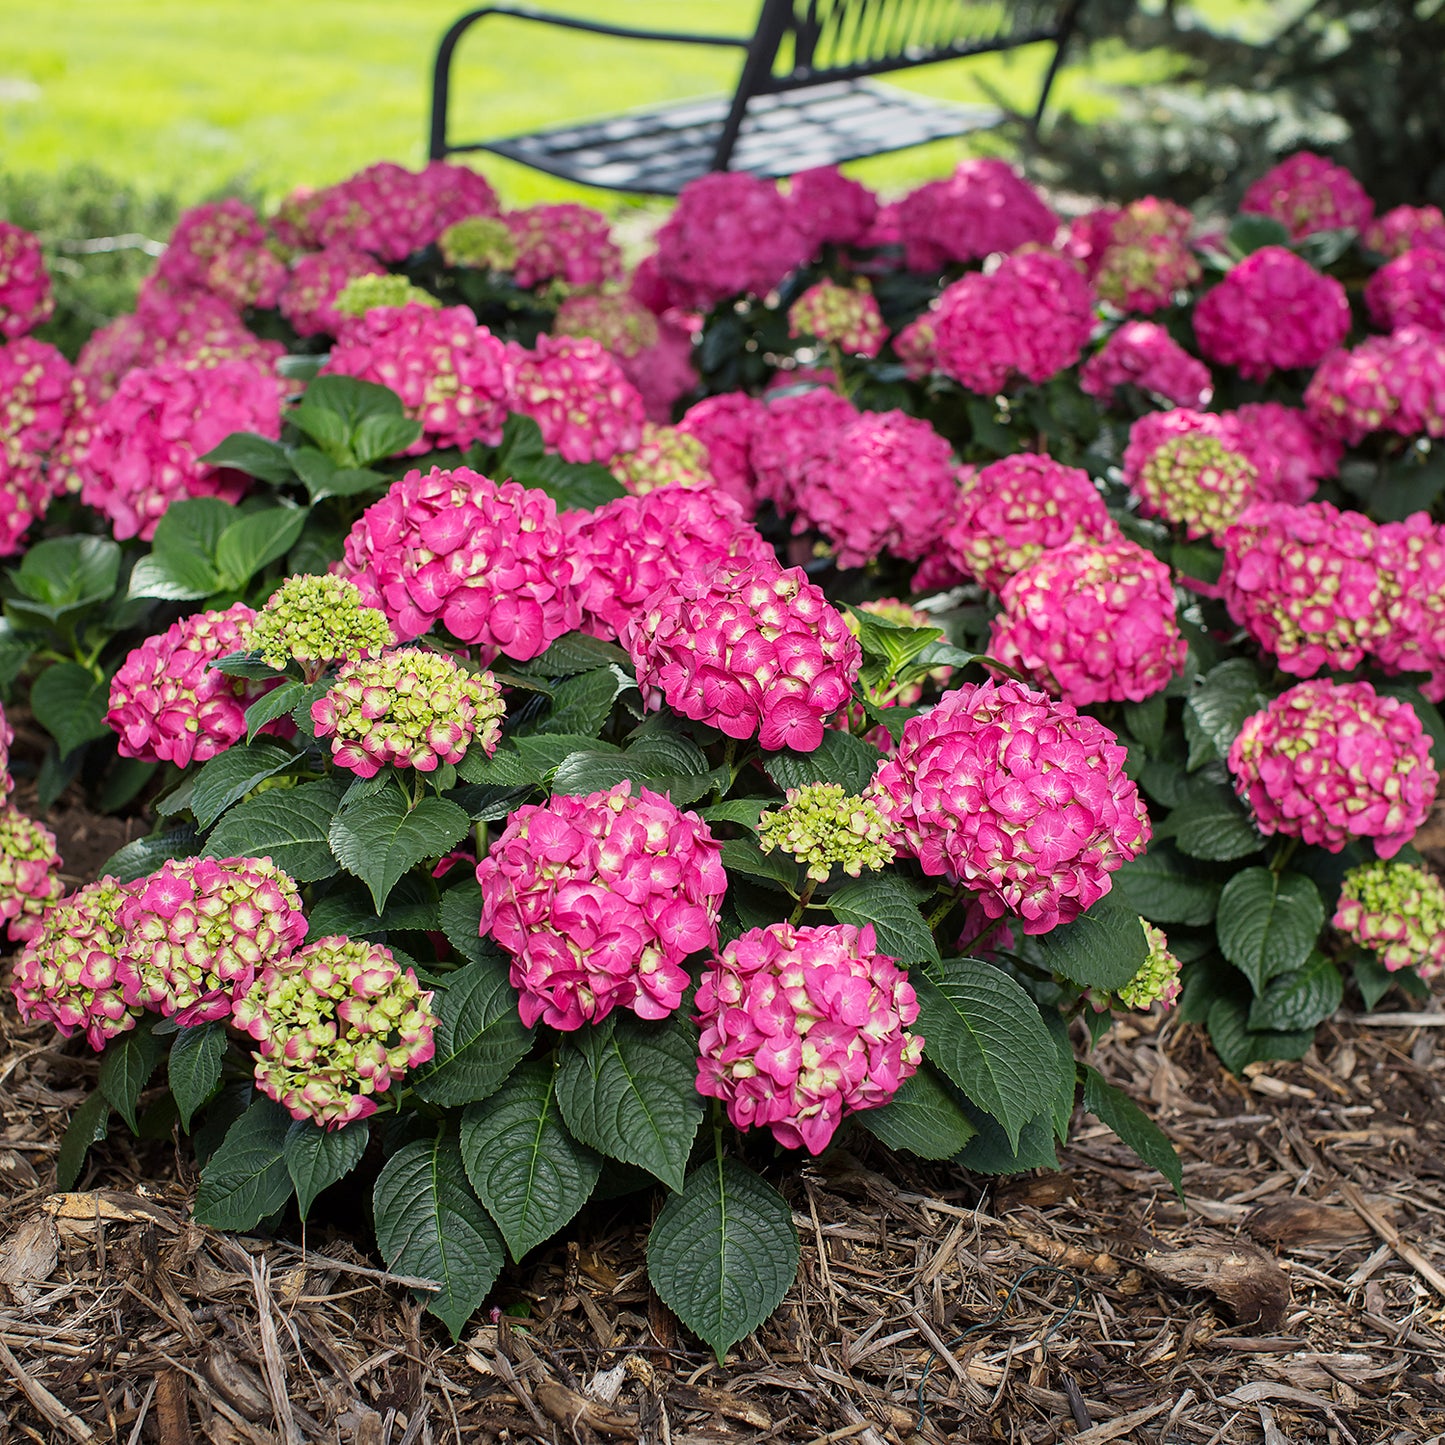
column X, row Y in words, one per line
column 483, row 242
column 1158, row 979
column 316, row 621
column 824, row 827
column 364, row 293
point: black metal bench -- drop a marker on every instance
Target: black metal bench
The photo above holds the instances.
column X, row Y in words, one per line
column 805, row 96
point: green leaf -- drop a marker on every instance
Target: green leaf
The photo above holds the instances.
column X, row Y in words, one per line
column 70, row 704
column 1301, row 998
column 1372, row 979
column 247, row 545
column 347, row 909
column 429, row 1224
column 890, row 903
column 1104, row 947
column 232, row 774
column 984, row 1032
column 1164, row 887
column 1268, row 923
column 460, row 918
column 531, row 1174
column 376, row 437
column 1145, row 720
column 246, row 1178
column 1238, row 1045
column 192, row 527
column 479, row 1039
column 66, row 574
column 575, row 487
column 351, row 399
column 839, row 758
column 1200, row 560
column 991, row 1151
column 581, row 704
column 1250, row 232
column 174, row 577
column 145, row 855
column 290, row 826
column 88, row 1125
column 744, row 811
column 662, row 762
column 276, row 703
column 381, row 838
column 126, row 1067
column 1215, row 828
column 1216, row 709
column 723, row 1252
column 194, row 1068
column 1115, row 1108
column 577, row 652
column 743, row 855
column 257, row 456
column 1066, row 1076
column 922, row 1117
column 630, row 1092
column 316, row 1158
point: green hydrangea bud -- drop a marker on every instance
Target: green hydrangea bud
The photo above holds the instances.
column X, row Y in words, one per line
column 666, row 457
column 1197, row 482
column 823, row 826
column 363, row 293
column 316, row 621
column 1398, row 911
column 485, row 243
column 1158, row 979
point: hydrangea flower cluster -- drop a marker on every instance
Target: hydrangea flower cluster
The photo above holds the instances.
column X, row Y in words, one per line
column 1019, row 797
column 25, row 295
column 451, row 374
column 731, row 233
column 1305, row 582
column 1392, row 383
column 1404, row 228
column 484, row 243
column 371, row 289
column 802, row 1027
column 24, row 495
column 1189, row 468
column 824, row 827
column 1409, row 291
column 1397, row 911
column 665, row 457
column 1307, row 193
column 1014, row 509
column 38, row 394
column 579, row 396
column 726, row 425
column 411, row 709
column 632, row 546
column 1293, row 455
column 1092, row 622
column 568, row 243
column 1029, row 318
column 1158, row 978
column 168, row 704
column 751, row 649
column 1327, row 762
column 308, row 301
column 789, row 435
column 489, row 562
column 983, row 207
column 148, row 439
column 830, row 209
column 69, row 973
column 663, row 373
column 197, row 931
column 1412, row 573
column 599, row 900
column 29, row 868
column 844, row 316
column 316, row 621
column 1138, row 255
column 1272, row 312
column 338, row 1023
column 1143, row 354
column 220, row 247
column 622, row 324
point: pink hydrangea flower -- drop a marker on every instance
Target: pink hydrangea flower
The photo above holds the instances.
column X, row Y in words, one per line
column 1091, row 623
column 751, row 649
column 577, row 393
column 916, row 345
column 1397, row 911
column 1272, row 312
column 1405, row 228
column 1327, row 762
column 38, row 396
column 308, row 301
column 451, row 374
column 730, row 234
column 1143, row 354
column 148, row 439
column 489, row 561
column 1307, row 193
column 568, row 243
column 24, row 495
column 1137, row 256
column 1030, row 318
column 600, row 900
column 844, row 316
column 1412, row 576
column 1012, row 510
column 1409, row 291
column 665, row 457
column 983, row 207
column 1292, row 454
column 622, row 324
column 29, row 872
column 197, row 931
column 726, row 426
column 220, row 247
column 1191, row 469
column 830, row 209
column 338, row 1023
column 664, row 373
column 168, row 704
column 70, row 973
column 793, row 432
column 25, row 295
column 802, row 1027
column 1017, row 796
column 1392, row 383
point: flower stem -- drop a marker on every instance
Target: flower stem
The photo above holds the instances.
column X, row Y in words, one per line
column 804, row 898
column 1280, row 861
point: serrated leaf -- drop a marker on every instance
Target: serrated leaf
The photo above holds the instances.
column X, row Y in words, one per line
column 744, row 856
column 349, row 910
column 839, row 758
column 70, row 704
column 1238, row 1045
column 194, row 1068
column 1164, row 887
column 1134, row 1127
column 381, row 838
column 629, row 1091
column 984, row 1032
column 1301, row 998
column 316, row 1158
column 1104, row 947
column 255, row 455
column 232, row 774
column 1145, row 720
column 430, row 1224
column 145, row 855
column 276, row 703
column 531, row 1174
column 663, row 763
column 126, row 1067
column 376, row 437
column 1216, row 709
column 581, row 704
column 723, row 1252
column 991, row 1151
column 1372, row 979
column 249, row 543
column 246, row 1178
column 88, row 1125
column 889, row 902
column 577, row 652
column 290, row 826
column 745, row 811
column 479, row 1038
column 1216, row 829
column 1268, row 922
column 1066, row 1073
column 460, row 918
column 173, row 578
column 923, row 1117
